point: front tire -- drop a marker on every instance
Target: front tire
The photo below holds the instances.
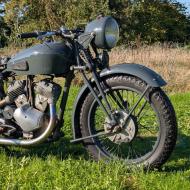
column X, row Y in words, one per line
column 153, row 144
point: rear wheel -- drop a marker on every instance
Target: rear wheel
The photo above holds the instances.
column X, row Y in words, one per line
column 147, row 138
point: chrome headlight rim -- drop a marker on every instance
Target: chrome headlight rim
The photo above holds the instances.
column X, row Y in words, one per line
column 116, row 35
column 98, row 27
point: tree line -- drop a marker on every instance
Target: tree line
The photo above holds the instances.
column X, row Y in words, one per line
column 146, row 21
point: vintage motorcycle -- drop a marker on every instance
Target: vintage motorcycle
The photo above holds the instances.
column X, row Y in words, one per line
column 120, row 113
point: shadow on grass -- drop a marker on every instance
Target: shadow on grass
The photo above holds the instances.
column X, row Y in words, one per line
column 61, row 149
column 180, row 159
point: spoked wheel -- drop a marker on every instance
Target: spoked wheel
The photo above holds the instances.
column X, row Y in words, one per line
column 149, row 135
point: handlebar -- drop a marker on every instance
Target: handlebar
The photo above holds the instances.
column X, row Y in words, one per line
column 40, row 35
column 31, row 35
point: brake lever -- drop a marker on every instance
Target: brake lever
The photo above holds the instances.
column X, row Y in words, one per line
column 48, row 34
column 65, row 33
column 71, row 36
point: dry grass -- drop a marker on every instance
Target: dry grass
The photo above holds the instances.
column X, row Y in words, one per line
column 8, row 51
column 172, row 63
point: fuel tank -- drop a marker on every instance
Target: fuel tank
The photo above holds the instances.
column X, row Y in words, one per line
column 46, row 58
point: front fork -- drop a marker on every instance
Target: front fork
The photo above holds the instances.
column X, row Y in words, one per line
column 106, row 108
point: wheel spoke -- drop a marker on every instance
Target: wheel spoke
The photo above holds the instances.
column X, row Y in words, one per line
column 133, row 101
column 100, row 130
column 115, row 100
column 124, row 103
column 146, row 128
column 141, row 109
column 143, row 115
column 125, row 100
column 133, row 150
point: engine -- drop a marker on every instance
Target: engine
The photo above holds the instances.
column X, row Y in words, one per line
column 18, row 107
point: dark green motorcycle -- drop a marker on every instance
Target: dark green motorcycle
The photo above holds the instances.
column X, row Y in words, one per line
column 120, row 113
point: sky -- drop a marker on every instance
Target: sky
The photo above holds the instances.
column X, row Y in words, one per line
column 187, row 3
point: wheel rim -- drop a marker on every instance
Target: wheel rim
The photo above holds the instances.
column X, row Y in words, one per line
column 148, row 124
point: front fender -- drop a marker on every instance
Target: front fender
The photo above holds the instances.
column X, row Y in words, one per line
column 149, row 76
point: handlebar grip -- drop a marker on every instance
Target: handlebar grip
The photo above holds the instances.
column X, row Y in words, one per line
column 28, row 35
column 31, row 35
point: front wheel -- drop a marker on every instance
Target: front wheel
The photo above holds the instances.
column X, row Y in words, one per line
column 148, row 137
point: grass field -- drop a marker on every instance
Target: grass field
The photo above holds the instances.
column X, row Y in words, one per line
column 62, row 165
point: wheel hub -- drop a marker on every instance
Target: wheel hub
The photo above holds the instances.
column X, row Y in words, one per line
column 124, row 133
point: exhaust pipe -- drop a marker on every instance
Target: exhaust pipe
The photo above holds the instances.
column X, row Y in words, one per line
column 3, row 103
column 40, row 138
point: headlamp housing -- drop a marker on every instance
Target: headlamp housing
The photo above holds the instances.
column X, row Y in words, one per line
column 106, row 32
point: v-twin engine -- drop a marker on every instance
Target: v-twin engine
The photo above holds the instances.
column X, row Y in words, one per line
column 28, row 118
column 31, row 118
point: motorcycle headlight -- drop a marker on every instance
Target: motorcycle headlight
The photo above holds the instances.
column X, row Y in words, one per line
column 106, row 32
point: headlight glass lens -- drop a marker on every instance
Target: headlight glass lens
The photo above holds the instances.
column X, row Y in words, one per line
column 111, row 32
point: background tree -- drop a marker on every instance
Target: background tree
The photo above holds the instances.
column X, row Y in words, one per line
column 146, row 21
column 31, row 15
column 151, row 20
column 3, row 29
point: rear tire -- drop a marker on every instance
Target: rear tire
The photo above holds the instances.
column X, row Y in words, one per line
column 164, row 114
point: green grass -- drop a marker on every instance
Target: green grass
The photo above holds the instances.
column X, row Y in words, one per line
column 62, row 165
